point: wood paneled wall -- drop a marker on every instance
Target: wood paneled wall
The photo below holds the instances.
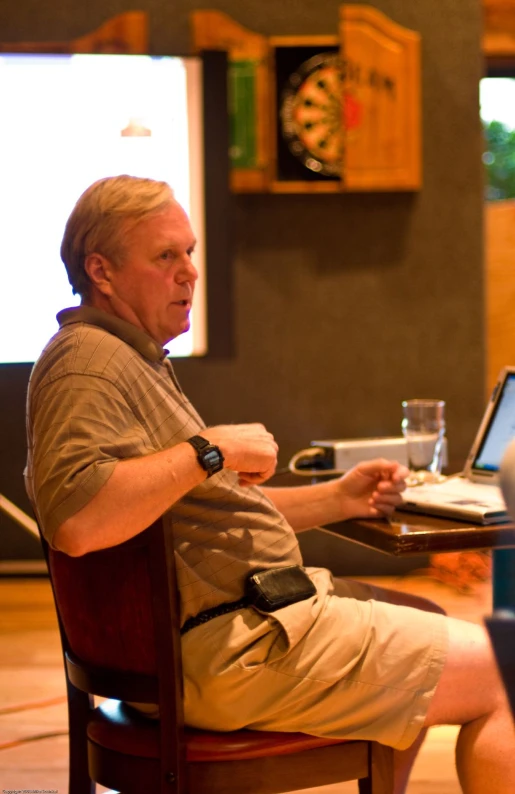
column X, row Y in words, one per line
column 498, row 27
column 498, row 46
column 500, row 287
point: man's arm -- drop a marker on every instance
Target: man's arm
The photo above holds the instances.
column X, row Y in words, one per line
column 370, row 490
column 140, row 489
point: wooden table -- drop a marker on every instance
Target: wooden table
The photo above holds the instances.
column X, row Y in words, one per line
column 406, row 534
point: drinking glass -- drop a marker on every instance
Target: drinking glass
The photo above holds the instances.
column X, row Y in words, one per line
column 423, row 427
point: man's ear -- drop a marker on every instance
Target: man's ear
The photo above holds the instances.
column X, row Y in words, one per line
column 99, row 270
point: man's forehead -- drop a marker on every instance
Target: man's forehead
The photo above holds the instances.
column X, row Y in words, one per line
column 170, row 226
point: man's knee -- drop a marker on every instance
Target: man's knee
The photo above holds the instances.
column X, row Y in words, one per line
column 469, row 687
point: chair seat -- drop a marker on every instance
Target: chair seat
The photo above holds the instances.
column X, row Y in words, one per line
column 117, row 727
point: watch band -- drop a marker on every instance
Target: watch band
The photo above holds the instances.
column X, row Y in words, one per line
column 209, row 456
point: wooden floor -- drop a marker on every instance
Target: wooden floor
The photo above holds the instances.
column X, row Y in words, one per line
column 31, row 673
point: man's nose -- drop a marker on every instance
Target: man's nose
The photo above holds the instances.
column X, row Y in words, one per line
column 188, row 271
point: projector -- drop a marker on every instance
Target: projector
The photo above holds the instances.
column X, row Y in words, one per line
column 343, row 454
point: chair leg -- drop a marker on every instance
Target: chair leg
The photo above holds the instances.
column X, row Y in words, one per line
column 365, row 785
column 380, row 775
column 79, row 707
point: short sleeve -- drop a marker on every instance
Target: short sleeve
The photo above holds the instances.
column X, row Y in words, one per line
column 80, row 427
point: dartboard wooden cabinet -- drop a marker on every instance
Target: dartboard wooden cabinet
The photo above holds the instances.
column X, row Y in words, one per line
column 324, row 113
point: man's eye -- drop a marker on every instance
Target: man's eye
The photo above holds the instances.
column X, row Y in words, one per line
column 167, row 255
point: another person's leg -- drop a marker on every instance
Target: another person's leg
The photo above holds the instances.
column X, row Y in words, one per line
column 470, row 693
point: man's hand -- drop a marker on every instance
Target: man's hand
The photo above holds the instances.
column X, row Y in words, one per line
column 249, row 450
column 372, row 489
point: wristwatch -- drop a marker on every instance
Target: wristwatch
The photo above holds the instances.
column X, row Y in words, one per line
column 208, row 455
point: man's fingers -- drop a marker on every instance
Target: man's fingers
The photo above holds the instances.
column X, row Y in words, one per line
column 387, row 486
column 390, row 497
column 255, row 478
column 382, row 508
column 375, row 467
column 251, row 478
column 247, row 448
column 400, row 474
column 257, row 430
column 382, row 469
column 384, row 504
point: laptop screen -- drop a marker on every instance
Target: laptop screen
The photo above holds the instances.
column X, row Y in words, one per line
column 499, row 430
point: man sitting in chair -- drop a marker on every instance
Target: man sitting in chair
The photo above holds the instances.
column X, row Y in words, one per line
column 114, row 443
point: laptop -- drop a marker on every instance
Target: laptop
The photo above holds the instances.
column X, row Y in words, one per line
column 474, row 495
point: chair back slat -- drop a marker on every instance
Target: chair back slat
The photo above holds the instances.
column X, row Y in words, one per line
column 119, row 616
column 115, row 684
column 166, row 611
column 105, row 604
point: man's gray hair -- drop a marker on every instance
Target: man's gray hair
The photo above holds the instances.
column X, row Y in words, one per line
column 102, row 216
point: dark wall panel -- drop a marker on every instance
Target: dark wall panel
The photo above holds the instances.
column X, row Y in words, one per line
column 344, row 305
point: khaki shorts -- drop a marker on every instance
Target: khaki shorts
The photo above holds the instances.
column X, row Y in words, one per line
column 361, row 669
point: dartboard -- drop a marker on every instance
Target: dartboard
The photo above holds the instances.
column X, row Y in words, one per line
column 312, row 113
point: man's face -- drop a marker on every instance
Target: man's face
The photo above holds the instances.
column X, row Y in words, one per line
column 153, row 286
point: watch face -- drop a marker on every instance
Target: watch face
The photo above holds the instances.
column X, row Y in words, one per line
column 312, row 113
column 212, row 459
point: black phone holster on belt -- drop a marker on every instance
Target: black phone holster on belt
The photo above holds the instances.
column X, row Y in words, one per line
column 266, row 590
column 275, row 588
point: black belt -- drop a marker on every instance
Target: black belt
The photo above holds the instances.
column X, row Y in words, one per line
column 214, row 612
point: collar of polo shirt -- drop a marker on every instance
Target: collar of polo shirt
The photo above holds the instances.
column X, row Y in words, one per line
column 134, row 337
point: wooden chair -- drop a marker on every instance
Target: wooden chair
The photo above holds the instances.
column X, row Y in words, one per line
column 119, row 621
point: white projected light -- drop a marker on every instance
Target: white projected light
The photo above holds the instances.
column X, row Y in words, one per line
column 68, row 120
column 497, row 100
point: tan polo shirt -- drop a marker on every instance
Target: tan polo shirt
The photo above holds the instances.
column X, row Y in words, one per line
column 103, row 391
